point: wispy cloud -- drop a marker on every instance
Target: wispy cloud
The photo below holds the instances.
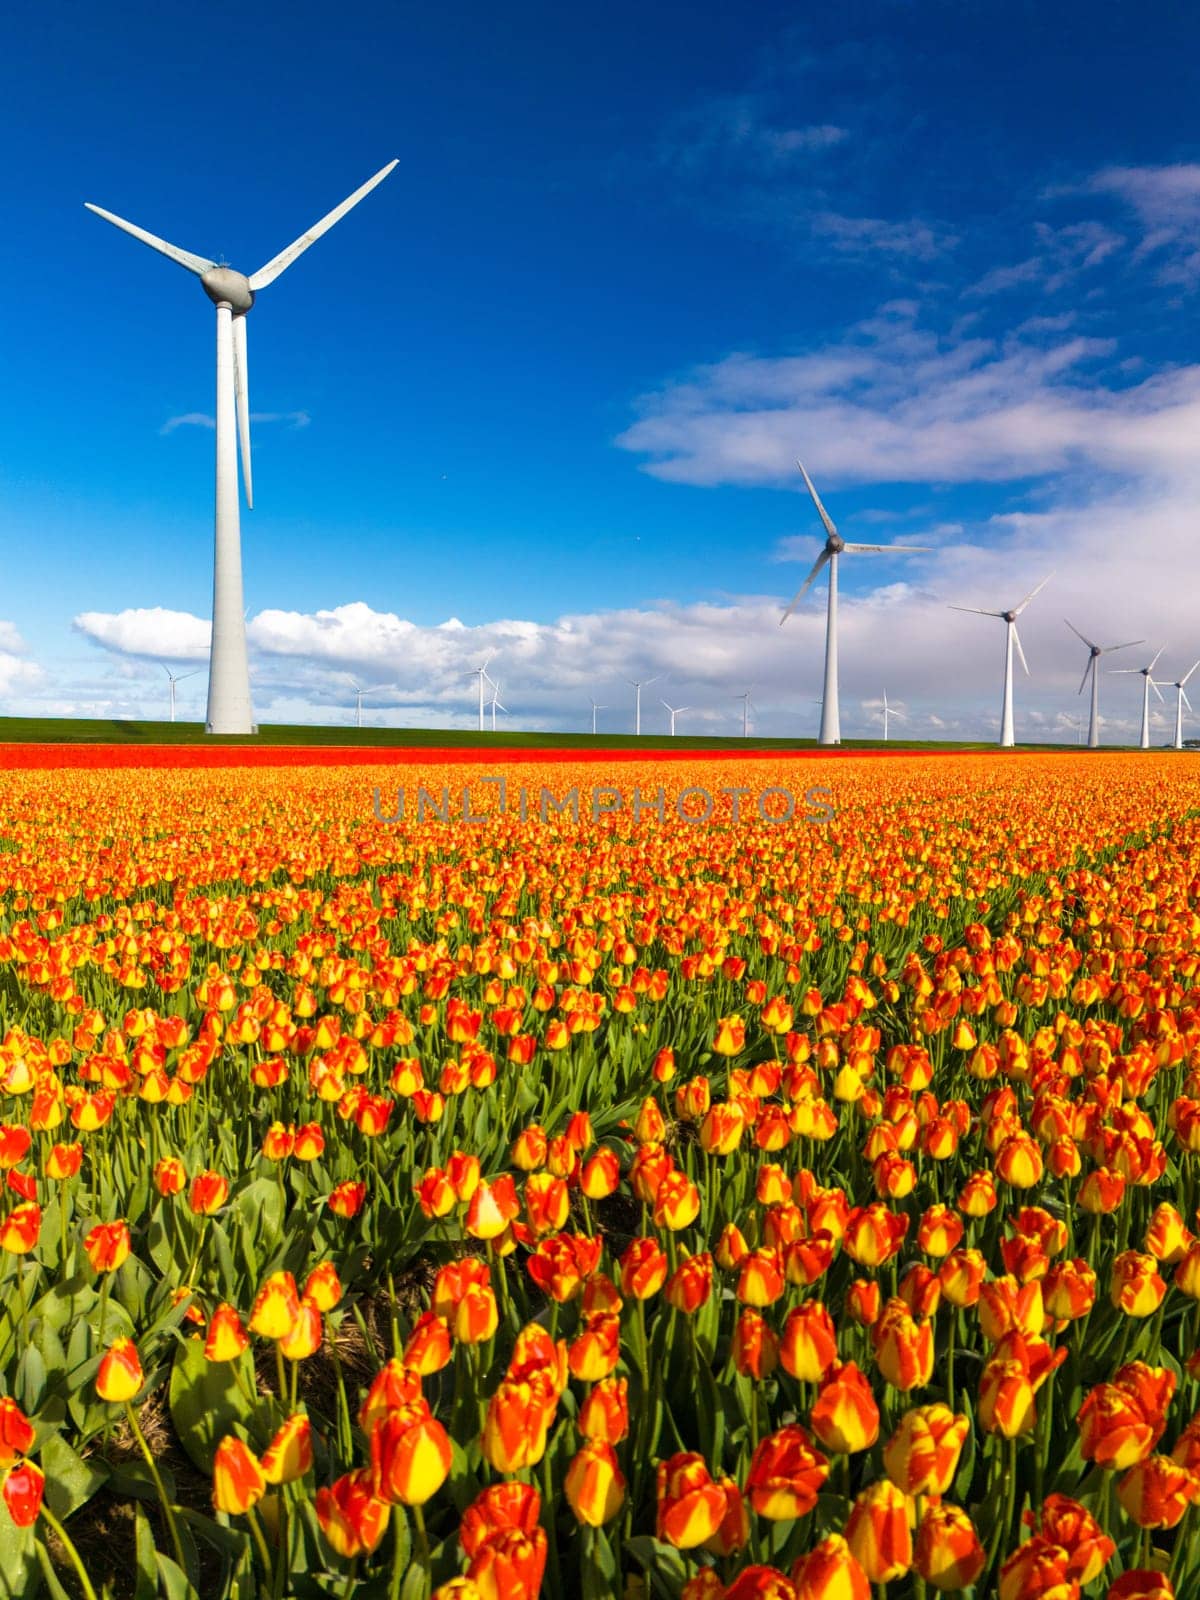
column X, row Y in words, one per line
column 201, row 419
column 910, row 238
column 1064, row 254
column 1166, row 200
column 894, row 402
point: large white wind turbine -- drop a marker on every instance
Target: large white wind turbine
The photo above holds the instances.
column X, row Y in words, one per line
column 177, row 677
column 1148, row 683
column 747, row 707
column 595, row 708
column 639, row 684
column 1182, row 700
column 835, row 545
column 676, row 711
column 229, row 707
column 1011, row 638
column 376, row 688
column 1095, row 651
column 482, row 673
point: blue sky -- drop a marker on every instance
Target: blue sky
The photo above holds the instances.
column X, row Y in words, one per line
column 549, row 380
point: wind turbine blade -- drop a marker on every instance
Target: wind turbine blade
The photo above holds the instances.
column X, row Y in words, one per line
column 185, row 675
column 1188, row 673
column 1020, row 652
column 803, row 589
column 1088, row 669
column 1186, row 701
column 1122, row 672
column 241, row 391
column 284, row 259
column 167, row 670
column 889, row 549
column 1109, row 648
column 975, row 611
column 1018, row 609
column 821, row 511
column 1084, row 636
column 1157, row 690
column 1153, row 664
column 197, row 264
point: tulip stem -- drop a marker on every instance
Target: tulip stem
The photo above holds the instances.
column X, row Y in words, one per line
column 422, row 1551
column 60, row 1533
column 264, row 1555
column 168, row 1513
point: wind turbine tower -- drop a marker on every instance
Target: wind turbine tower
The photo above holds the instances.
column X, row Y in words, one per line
column 233, row 294
column 675, row 711
column 1182, row 700
column 596, row 708
column 378, row 688
column 1095, row 651
column 747, row 707
column 1148, row 683
column 1011, row 638
column 497, row 704
column 639, row 685
column 482, row 673
column 835, row 545
column 177, row 677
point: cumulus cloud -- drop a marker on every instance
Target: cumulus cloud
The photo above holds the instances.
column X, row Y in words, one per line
column 152, row 631
column 17, row 673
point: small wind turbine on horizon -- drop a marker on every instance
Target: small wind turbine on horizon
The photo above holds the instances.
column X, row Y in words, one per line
column 639, row 685
column 371, row 688
column 889, row 711
column 835, row 545
column 232, row 293
column 747, row 707
column 595, row 708
column 1011, row 638
column 676, row 711
column 482, row 673
column 1095, row 652
column 496, row 703
column 177, row 677
column 1182, row 700
column 1148, row 683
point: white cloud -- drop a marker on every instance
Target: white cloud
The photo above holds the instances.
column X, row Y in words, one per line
column 153, row 632
column 201, row 419
column 1166, row 200
column 893, row 402
column 17, row 673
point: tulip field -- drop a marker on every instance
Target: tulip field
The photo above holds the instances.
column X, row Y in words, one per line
column 625, row 1206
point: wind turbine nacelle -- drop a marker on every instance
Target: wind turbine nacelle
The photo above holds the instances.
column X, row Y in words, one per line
column 224, row 286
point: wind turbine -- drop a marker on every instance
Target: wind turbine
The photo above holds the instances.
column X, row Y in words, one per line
column 1011, row 638
column 177, row 677
column 831, row 728
column 639, row 685
column 377, row 688
column 676, row 711
column 229, row 706
column 1148, row 683
column 889, row 711
column 496, row 703
column 1094, row 654
column 596, row 708
column 482, row 673
column 1181, row 701
column 747, row 707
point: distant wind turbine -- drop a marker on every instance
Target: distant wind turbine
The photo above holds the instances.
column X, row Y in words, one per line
column 747, row 708
column 177, row 677
column 889, row 711
column 1181, row 701
column 372, row 688
column 1148, row 683
column 1011, row 638
column 482, row 673
column 1095, row 652
column 596, row 708
column 232, row 293
column 835, row 545
column 497, row 704
column 676, row 711
column 639, row 685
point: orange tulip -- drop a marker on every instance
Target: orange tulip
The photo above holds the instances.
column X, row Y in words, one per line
column 879, row 1531
column 23, row 1486
column 922, row 1455
column 518, row 1417
column 238, row 1482
column 120, row 1373
column 948, row 1553
column 830, row 1571
column 903, row 1348
column 604, row 1415
column 808, row 1346
column 1156, row 1492
column 786, row 1474
column 225, row 1338
column 290, row 1453
column 352, row 1519
column 410, row 1455
column 844, row 1417
column 691, row 1507
column 107, row 1245
column 594, row 1484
